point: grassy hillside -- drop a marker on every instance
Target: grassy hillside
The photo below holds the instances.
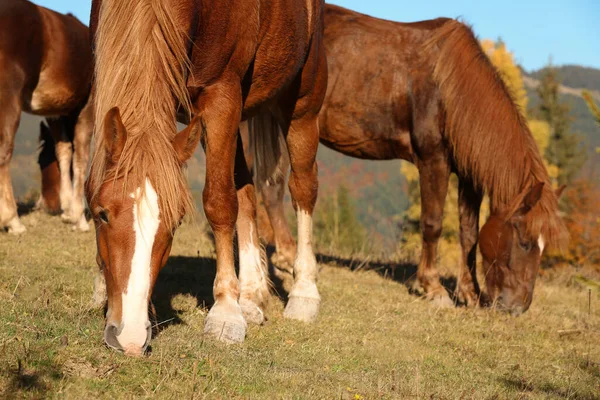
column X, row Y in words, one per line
column 372, row 340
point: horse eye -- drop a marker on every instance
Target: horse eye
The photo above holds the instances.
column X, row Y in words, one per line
column 103, row 216
column 525, row 245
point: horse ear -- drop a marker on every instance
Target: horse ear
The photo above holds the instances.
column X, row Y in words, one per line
column 558, row 192
column 530, row 199
column 115, row 134
column 185, row 142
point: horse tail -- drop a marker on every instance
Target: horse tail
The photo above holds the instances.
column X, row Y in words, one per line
column 269, row 151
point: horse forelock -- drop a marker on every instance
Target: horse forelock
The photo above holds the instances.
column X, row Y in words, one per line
column 141, row 68
column 490, row 137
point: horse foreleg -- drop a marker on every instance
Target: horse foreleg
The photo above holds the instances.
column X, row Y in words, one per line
column 433, row 178
column 221, row 117
column 469, row 203
column 253, row 274
column 10, row 114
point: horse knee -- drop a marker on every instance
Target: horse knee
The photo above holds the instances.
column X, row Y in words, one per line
column 6, row 151
column 432, row 229
column 220, row 207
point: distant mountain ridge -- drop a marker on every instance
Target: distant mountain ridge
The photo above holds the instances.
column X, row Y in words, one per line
column 573, row 76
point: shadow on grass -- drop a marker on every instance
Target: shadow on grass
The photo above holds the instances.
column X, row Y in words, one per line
column 523, row 385
column 403, row 272
column 195, row 276
column 182, row 275
column 28, row 383
column 25, row 208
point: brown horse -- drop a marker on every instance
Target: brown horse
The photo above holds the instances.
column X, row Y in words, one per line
column 221, row 61
column 46, row 66
column 425, row 92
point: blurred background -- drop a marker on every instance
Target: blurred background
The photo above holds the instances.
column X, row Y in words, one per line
column 547, row 52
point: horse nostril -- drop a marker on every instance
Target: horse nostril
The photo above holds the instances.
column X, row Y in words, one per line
column 110, row 336
column 516, row 311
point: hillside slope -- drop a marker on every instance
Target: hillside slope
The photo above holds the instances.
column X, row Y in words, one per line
column 372, row 339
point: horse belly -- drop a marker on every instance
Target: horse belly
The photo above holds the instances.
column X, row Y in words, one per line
column 51, row 96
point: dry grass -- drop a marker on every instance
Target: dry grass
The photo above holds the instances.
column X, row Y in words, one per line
column 372, row 340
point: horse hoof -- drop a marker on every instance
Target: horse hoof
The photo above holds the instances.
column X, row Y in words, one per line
column 82, row 225
column 15, row 227
column 225, row 323
column 252, row 313
column 468, row 298
column 303, row 309
column 441, row 300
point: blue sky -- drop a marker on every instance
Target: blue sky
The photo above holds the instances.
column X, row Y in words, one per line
column 534, row 30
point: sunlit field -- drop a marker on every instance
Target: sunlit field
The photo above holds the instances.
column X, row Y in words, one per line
column 373, row 338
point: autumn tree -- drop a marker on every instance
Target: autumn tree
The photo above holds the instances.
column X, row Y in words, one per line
column 336, row 224
column 563, row 148
column 587, row 96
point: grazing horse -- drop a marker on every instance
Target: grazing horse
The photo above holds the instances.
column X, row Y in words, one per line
column 219, row 62
column 425, row 92
column 46, row 69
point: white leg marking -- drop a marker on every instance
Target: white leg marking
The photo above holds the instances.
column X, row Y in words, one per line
column 64, row 153
column 253, row 282
column 305, row 267
column 304, row 299
column 251, row 273
column 541, row 244
column 135, row 298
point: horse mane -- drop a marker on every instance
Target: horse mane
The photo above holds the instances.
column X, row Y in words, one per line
column 141, row 68
column 489, row 135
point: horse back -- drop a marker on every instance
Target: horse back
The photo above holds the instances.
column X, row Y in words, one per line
column 264, row 43
column 49, row 52
column 376, row 69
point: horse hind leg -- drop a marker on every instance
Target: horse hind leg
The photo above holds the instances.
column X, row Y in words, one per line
column 64, row 154
column 253, row 273
column 272, row 195
column 49, row 200
column 81, row 141
column 271, row 183
column 10, row 114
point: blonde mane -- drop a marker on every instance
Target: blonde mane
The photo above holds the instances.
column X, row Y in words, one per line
column 489, row 135
column 141, row 68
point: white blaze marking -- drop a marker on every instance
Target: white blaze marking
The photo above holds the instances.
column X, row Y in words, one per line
column 541, row 244
column 135, row 298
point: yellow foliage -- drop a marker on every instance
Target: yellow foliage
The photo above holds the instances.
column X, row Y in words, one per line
column 541, row 133
column 504, row 62
column 410, row 171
